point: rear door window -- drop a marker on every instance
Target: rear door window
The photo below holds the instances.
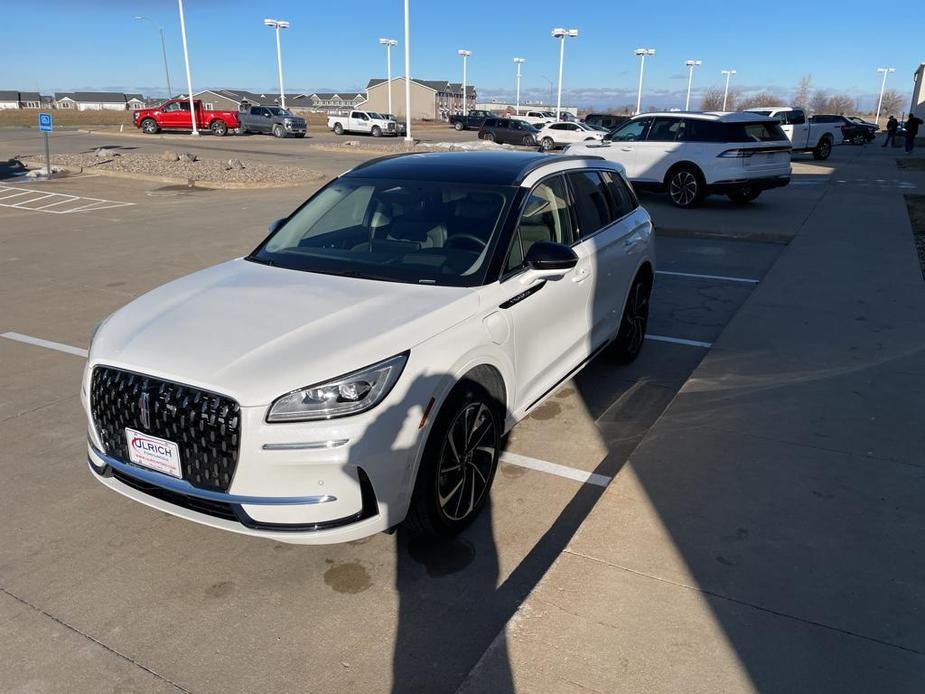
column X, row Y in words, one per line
column 592, row 202
column 621, row 196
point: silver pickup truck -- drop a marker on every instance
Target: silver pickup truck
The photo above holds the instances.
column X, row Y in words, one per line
column 271, row 120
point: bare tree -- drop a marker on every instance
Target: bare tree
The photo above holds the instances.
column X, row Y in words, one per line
column 840, row 104
column 801, row 98
column 819, row 102
column 712, row 99
column 892, row 102
column 765, row 98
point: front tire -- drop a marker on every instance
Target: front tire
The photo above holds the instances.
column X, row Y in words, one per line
column 219, row 128
column 632, row 333
column 149, row 126
column 823, row 149
column 686, row 187
column 458, row 464
column 459, row 126
column 547, row 144
column 279, row 131
column 377, row 131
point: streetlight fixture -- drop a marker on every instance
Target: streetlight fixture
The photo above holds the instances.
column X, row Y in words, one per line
column 163, row 51
column 189, row 80
column 465, row 56
column 562, row 34
column 642, row 53
column 886, row 71
column 518, row 62
column 278, row 24
column 728, row 73
column 691, row 64
column 407, row 75
column 389, row 44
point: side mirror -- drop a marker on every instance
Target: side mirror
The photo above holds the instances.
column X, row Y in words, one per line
column 276, row 224
column 549, row 259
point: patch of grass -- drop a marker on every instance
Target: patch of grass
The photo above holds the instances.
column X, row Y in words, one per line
column 916, row 206
column 30, row 117
column 911, row 163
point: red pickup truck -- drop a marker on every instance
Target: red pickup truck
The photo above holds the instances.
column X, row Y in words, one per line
column 175, row 115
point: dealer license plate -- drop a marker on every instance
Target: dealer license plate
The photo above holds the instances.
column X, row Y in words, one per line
column 154, row 453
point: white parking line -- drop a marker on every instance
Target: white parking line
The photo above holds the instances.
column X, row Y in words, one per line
column 679, row 341
column 19, row 337
column 555, row 469
column 724, row 278
column 24, row 197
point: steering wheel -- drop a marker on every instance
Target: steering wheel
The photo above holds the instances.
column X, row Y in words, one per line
column 468, row 239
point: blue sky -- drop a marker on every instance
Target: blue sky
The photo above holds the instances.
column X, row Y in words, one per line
column 333, row 45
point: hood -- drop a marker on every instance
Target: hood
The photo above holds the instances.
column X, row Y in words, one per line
column 255, row 332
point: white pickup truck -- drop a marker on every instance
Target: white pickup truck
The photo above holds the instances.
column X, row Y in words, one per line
column 818, row 138
column 368, row 122
column 537, row 118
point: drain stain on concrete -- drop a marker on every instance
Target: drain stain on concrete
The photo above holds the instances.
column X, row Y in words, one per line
column 221, row 589
column 547, row 411
column 351, row 577
column 512, row 472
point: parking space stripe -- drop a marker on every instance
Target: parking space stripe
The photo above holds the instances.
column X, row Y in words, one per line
column 555, row 469
column 679, row 341
column 9, row 195
column 694, row 275
column 19, row 337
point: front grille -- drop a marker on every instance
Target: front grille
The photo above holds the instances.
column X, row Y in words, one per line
column 205, row 426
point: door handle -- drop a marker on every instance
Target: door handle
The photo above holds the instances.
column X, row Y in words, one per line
column 581, row 275
column 626, row 149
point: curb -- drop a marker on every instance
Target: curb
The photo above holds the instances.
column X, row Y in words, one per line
column 188, row 182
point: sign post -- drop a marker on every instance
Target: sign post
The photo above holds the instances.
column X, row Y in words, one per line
column 45, row 125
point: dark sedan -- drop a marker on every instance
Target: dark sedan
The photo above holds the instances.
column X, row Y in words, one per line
column 508, row 131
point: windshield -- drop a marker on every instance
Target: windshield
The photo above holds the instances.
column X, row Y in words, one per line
column 416, row 232
column 276, row 111
column 377, row 116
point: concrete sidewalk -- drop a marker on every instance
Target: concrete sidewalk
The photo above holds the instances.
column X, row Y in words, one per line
column 769, row 532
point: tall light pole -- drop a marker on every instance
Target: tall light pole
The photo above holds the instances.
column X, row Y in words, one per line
column 163, row 51
column 189, row 80
column 691, row 64
column 389, row 44
column 642, row 53
column 465, row 56
column 518, row 62
column 408, row 137
column 728, row 73
column 278, row 24
column 886, row 71
column 562, row 34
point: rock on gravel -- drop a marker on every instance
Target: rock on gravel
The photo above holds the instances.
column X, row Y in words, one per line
column 188, row 157
column 234, row 164
column 170, row 155
column 205, row 170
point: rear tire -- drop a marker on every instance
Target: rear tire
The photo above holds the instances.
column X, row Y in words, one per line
column 458, row 464
column 490, row 137
column 219, row 128
column 823, row 149
column 744, row 195
column 459, row 126
column 632, row 333
column 547, row 144
column 338, row 129
column 685, row 186
column 149, row 126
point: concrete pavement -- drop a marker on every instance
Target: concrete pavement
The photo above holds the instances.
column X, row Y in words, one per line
column 767, row 534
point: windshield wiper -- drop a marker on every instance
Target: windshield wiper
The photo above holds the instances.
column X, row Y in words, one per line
column 262, row 261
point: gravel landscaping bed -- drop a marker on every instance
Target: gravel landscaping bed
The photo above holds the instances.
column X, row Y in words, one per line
column 189, row 168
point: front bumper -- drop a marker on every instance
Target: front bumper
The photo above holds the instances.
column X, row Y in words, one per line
column 296, row 128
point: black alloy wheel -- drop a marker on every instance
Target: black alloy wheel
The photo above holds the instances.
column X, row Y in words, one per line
column 632, row 334
column 823, row 150
column 685, row 187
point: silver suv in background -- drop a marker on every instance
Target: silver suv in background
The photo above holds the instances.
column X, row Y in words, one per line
column 271, row 120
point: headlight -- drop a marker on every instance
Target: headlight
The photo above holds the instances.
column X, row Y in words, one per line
column 350, row 394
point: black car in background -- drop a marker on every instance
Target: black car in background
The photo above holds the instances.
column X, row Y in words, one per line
column 852, row 132
column 607, row 121
column 473, row 119
column 508, row 131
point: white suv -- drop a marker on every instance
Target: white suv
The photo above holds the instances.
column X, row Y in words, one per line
column 563, row 134
column 694, row 154
column 360, row 367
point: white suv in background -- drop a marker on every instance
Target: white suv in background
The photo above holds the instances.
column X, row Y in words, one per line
column 562, row 134
column 694, row 154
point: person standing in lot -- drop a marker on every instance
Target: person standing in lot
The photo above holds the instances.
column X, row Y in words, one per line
column 891, row 126
column 912, row 129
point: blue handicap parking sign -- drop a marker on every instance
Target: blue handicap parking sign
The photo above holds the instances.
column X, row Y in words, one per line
column 45, row 122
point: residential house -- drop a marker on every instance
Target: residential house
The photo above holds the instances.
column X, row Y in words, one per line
column 430, row 99
column 91, row 101
column 133, row 102
column 9, row 99
column 332, row 102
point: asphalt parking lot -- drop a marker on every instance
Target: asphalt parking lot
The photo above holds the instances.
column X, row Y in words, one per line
column 105, row 594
